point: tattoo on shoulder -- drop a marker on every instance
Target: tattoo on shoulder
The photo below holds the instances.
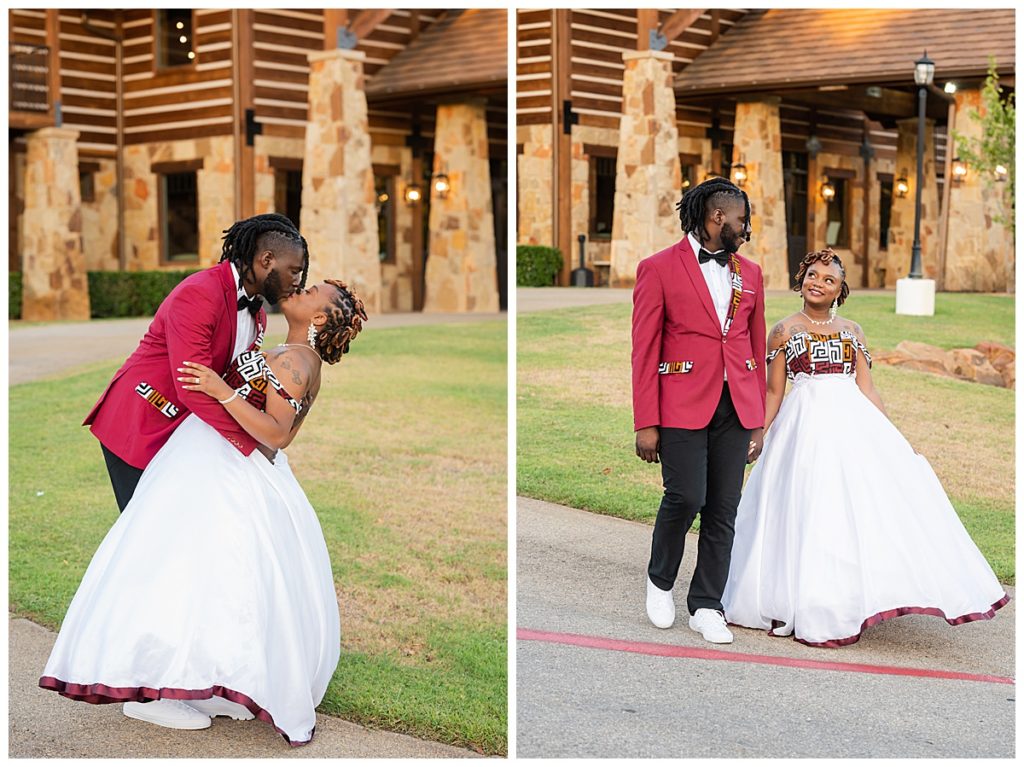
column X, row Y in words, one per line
column 797, row 327
column 285, row 362
column 296, row 377
column 778, row 332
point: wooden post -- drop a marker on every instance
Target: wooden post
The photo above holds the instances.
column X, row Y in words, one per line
column 53, row 64
column 416, row 241
column 646, row 21
column 334, row 18
column 561, row 76
column 245, row 155
column 812, row 198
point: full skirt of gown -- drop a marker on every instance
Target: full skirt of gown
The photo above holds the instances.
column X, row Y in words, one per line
column 842, row 525
column 215, row 580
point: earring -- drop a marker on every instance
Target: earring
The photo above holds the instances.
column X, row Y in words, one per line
column 311, row 335
column 832, row 311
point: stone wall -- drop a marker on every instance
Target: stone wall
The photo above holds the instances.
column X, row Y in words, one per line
column 99, row 220
column 215, row 186
column 534, row 177
column 461, row 264
column 980, row 251
column 758, row 145
column 901, row 230
column 265, row 147
column 647, row 171
column 53, row 265
column 852, row 254
column 339, row 218
column 876, row 257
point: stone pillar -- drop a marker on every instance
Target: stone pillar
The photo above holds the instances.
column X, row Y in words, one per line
column 536, row 204
column 979, row 251
column 758, row 145
column 339, row 220
column 461, row 272
column 53, row 263
column 901, row 224
column 648, row 179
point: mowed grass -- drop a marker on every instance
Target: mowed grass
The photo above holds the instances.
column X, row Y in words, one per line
column 404, row 459
column 575, row 427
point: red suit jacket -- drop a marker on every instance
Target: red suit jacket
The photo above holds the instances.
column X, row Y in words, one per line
column 679, row 350
column 144, row 403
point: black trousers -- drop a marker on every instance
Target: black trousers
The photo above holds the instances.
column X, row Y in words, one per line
column 702, row 471
column 123, row 477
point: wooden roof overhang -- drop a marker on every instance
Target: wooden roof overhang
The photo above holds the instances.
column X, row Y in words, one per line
column 851, row 59
column 462, row 54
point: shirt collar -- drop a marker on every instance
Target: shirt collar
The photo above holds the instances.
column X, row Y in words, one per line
column 238, row 281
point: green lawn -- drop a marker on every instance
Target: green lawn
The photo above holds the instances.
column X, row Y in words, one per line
column 404, row 458
column 575, row 426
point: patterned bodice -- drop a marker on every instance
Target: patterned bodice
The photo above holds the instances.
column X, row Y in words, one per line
column 816, row 354
column 252, row 378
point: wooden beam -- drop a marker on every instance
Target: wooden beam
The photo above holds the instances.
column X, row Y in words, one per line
column 245, row 178
column 53, row 64
column 679, row 22
column 416, row 240
column 716, row 26
column 334, row 18
column 646, row 21
column 367, row 21
column 414, row 25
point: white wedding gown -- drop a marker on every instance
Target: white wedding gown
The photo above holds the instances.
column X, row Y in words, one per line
column 214, row 581
column 841, row 524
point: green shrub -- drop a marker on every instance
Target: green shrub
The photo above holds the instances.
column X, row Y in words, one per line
column 537, row 266
column 130, row 294
column 14, row 296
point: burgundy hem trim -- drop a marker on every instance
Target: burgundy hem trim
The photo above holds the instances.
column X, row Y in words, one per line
column 101, row 693
column 885, row 615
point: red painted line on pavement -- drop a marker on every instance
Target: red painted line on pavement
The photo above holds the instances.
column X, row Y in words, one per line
column 701, row 653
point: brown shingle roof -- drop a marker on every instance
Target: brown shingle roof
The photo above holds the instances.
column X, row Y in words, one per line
column 793, row 48
column 464, row 50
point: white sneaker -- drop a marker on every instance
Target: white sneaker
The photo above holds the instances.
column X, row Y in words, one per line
column 710, row 624
column 661, row 608
column 218, row 706
column 167, row 713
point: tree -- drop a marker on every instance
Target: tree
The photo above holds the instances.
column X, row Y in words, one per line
column 996, row 146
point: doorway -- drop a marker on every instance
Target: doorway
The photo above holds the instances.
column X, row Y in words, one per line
column 794, row 180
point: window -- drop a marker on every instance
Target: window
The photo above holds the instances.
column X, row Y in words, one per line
column 884, row 209
column 87, row 180
column 602, row 190
column 384, row 178
column 174, row 39
column 688, row 167
column 837, row 228
column 178, row 201
column 288, row 194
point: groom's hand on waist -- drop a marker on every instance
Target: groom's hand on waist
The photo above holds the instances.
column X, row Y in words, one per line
column 647, row 442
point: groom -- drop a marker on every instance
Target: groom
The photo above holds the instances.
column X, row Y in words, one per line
column 699, row 394
column 210, row 317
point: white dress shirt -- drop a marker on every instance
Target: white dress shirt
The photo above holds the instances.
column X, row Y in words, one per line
column 719, row 285
column 245, row 332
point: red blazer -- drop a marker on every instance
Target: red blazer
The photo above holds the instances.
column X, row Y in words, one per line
column 679, row 351
column 144, row 403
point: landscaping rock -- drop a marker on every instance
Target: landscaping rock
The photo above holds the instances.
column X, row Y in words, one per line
column 987, row 363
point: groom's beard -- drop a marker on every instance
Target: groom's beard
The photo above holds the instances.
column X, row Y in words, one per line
column 731, row 239
column 273, row 288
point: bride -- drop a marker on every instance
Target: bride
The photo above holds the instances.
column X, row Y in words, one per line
column 212, row 594
column 842, row 524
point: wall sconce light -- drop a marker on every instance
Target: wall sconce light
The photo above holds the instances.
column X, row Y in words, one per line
column 902, row 186
column 828, row 190
column 1001, row 173
column 950, row 87
column 959, row 170
column 441, row 185
column 686, row 183
column 739, row 174
column 413, row 193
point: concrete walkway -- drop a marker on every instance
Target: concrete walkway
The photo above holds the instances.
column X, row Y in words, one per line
column 43, row 724
column 596, row 679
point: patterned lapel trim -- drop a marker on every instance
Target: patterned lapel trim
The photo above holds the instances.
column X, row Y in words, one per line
column 737, row 292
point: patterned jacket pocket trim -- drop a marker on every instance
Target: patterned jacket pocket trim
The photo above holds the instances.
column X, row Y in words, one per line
column 671, row 368
column 751, row 364
column 157, row 400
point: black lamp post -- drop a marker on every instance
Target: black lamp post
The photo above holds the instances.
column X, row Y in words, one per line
column 924, row 72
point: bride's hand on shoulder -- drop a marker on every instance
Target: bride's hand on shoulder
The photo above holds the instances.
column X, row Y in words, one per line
column 202, row 379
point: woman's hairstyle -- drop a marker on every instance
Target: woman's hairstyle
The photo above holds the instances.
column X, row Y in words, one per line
column 706, row 196
column 826, row 256
column 345, row 315
column 248, row 237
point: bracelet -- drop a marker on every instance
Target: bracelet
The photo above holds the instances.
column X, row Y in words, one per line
column 226, row 401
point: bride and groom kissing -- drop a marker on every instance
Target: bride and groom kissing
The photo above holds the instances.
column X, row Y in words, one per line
column 842, row 524
column 212, row 594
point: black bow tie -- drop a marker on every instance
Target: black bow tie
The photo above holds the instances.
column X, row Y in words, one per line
column 252, row 304
column 721, row 257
